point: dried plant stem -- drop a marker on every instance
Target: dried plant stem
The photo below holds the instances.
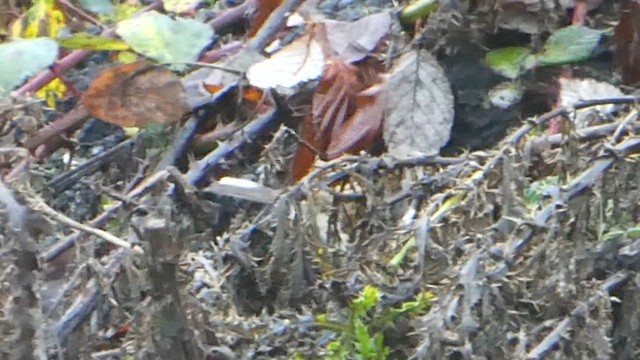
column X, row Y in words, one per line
column 547, row 345
column 143, row 188
column 40, row 205
column 275, row 21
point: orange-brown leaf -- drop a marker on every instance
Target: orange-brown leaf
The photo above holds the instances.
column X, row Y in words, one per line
column 346, row 116
column 212, row 89
column 263, row 10
column 361, row 130
column 304, row 157
column 135, row 95
column 252, row 94
column 334, row 100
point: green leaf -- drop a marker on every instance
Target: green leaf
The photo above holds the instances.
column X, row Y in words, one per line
column 165, row 40
column 100, row 7
column 22, row 59
column 569, row 44
column 509, row 61
column 417, row 10
column 633, row 232
column 533, row 196
column 365, row 345
column 90, row 42
column 417, row 307
column 368, row 299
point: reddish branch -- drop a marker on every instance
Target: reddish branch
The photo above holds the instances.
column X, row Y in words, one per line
column 74, row 119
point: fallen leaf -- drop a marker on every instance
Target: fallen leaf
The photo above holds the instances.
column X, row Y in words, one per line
column 627, row 42
column 42, row 19
column 346, row 115
column 166, row 40
column 91, row 42
column 337, row 99
column 353, row 41
column 21, row 59
column 505, row 95
column 300, row 61
column 242, row 189
column 361, row 130
column 102, row 7
column 304, row 157
column 135, row 95
column 573, row 91
column 202, row 83
column 262, row 11
column 419, row 108
column 519, row 15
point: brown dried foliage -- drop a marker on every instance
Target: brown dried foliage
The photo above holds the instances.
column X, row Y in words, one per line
column 346, row 115
column 136, row 94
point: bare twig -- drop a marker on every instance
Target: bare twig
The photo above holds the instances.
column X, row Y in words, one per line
column 231, row 16
column 251, row 131
column 88, row 299
column 40, row 205
column 64, row 180
column 65, row 244
column 274, row 23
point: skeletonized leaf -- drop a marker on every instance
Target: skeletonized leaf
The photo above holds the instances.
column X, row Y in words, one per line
column 419, row 106
column 300, row 61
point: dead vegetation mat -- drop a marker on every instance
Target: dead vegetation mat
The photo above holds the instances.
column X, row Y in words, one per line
column 527, row 250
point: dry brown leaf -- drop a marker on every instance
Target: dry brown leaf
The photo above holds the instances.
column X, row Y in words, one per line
column 135, row 95
column 304, row 156
column 346, row 115
column 263, row 10
column 361, row 130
